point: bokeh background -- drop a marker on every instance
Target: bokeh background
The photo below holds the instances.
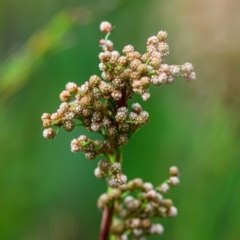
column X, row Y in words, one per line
column 49, row 193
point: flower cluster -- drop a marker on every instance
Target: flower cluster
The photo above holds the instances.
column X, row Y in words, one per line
column 101, row 105
column 136, row 203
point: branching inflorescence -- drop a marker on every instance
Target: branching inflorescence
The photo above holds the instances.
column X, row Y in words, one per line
column 101, row 105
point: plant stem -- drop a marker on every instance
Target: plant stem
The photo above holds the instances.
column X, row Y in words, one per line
column 106, row 222
column 107, row 214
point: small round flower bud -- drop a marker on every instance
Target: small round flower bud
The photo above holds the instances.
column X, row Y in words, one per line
column 106, row 75
column 105, row 56
column 122, row 114
column 71, row 87
column 90, row 155
column 162, row 211
column 65, row 95
column 97, row 116
column 125, row 128
column 116, row 94
column 86, row 101
column 128, row 199
column 98, row 105
column 105, row 88
column 104, row 165
column 122, row 139
column 148, row 208
column 115, row 194
column 138, row 232
column 46, row 123
column 156, row 54
column 156, row 229
column 147, row 186
column 112, row 132
column 170, row 79
column 105, row 27
column 146, row 96
column 167, row 203
column 83, row 138
column 151, row 195
column 173, row 171
column 70, row 115
column 136, row 107
column 75, row 145
column 106, row 122
column 164, row 188
column 102, row 67
column 56, row 116
column 145, row 57
column 142, row 118
column 155, row 62
column 49, row 133
column 162, row 36
column 63, row 107
column 94, row 81
column 68, row 125
column 135, row 223
column 135, row 184
column 163, row 49
column 115, row 54
column 106, row 45
column 122, row 61
column 99, row 173
column 132, row 116
column 117, row 228
column 174, row 70
column 152, row 40
column 131, row 203
column 120, row 179
column 113, row 61
column 95, row 126
column 116, row 168
column 84, row 89
column 112, row 183
column 146, row 223
column 172, row 212
column 103, row 200
column 46, row 116
column 135, row 63
column 191, row 77
column 158, row 80
column 127, row 49
column 173, row 181
column 142, row 68
column 133, row 55
column 165, row 68
column 187, row 68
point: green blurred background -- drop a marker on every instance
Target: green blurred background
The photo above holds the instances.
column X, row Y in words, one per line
column 49, row 193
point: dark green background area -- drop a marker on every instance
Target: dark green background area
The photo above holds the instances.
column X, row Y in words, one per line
column 49, row 193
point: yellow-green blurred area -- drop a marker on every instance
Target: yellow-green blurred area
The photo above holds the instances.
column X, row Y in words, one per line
column 49, row 193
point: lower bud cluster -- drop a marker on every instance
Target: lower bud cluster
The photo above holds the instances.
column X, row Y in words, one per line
column 137, row 205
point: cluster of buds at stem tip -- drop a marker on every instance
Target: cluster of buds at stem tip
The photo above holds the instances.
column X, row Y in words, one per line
column 135, row 204
column 101, row 105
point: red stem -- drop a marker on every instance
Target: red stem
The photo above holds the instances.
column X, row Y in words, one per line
column 106, row 222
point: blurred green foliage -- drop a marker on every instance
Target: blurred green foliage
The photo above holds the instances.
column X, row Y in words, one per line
column 48, row 193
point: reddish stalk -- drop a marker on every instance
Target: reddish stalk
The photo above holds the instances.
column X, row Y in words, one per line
column 106, row 222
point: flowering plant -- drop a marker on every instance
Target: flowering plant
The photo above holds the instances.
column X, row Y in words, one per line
column 101, row 105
